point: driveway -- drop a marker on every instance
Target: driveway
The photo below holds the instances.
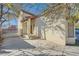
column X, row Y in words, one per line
column 12, row 41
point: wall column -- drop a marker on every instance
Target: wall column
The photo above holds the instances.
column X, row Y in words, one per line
column 19, row 23
column 28, row 26
column 71, row 34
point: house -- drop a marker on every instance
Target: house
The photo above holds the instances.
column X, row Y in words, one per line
column 26, row 23
column 52, row 25
column 12, row 28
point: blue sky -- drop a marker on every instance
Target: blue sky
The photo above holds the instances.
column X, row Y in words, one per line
column 13, row 21
column 36, row 9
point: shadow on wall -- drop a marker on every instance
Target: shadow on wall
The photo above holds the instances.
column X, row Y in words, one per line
column 40, row 26
column 44, row 24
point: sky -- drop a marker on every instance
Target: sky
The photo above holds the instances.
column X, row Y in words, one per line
column 36, row 9
column 11, row 22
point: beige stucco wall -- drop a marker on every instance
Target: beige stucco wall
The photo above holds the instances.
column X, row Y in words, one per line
column 51, row 29
column 52, row 26
column 57, row 33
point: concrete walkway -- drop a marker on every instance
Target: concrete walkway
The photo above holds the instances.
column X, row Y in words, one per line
column 69, row 51
column 12, row 41
column 14, row 45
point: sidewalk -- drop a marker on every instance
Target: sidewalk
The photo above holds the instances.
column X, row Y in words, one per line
column 13, row 41
column 16, row 46
column 69, row 51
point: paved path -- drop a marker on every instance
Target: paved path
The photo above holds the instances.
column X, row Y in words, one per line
column 30, row 52
column 69, row 51
column 12, row 41
column 16, row 46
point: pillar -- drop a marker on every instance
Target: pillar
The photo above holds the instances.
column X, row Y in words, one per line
column 19, row 23
column 71, row 34
column 28, row 26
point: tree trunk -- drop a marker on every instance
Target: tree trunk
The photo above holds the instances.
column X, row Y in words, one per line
column 1, row 22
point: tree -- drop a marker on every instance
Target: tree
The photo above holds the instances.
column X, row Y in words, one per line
column 4, row 16
column 2, row 19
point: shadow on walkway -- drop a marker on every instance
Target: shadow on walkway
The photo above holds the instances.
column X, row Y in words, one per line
column 6, row 52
